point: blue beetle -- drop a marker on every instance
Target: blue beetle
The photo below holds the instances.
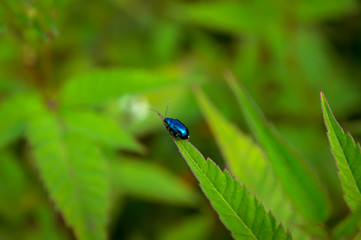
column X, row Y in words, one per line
column 174, row 126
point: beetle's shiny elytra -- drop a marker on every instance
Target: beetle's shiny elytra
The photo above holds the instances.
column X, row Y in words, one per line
column 174, row 126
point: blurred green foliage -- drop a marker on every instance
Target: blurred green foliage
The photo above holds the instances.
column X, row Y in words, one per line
column 81, row 154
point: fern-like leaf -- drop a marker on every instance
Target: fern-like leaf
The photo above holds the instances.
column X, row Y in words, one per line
column 296, row 177
column 240, row 212
column 73, row 172
column 347, row 154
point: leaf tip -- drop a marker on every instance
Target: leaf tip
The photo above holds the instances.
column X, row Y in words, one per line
column 323, row 99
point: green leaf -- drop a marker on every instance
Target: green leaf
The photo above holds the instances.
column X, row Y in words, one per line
column 100, row 128
column 236, row 17
column 227, row 16
column 194, row 228
column 12, row 183
column 347, row 154
column 297, row 179
column 12, row 186
column 13, row 114
column 241, row 213
column 247, row 162
column 74, row 173
column 348, row 226
column 102, row 85
column 148, row 181
column 311, row 11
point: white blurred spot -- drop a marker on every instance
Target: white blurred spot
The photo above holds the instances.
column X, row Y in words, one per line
column 137, row 107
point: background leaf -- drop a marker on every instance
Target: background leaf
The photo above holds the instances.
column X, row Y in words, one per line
column 193, row 228
column 226, row 16
column 348, row 157
column 312, row 11
column 74, row 173
column 103, row 85
column 148, row 181
column 101, row 128
column 14, row 112
column 296, row 177
column 12, row 186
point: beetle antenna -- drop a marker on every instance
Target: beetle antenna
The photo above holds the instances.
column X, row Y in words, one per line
column 166, row 110
column 157, row 112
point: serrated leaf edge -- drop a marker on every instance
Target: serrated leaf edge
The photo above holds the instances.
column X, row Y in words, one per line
column 347, row 134
column 225, row 171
